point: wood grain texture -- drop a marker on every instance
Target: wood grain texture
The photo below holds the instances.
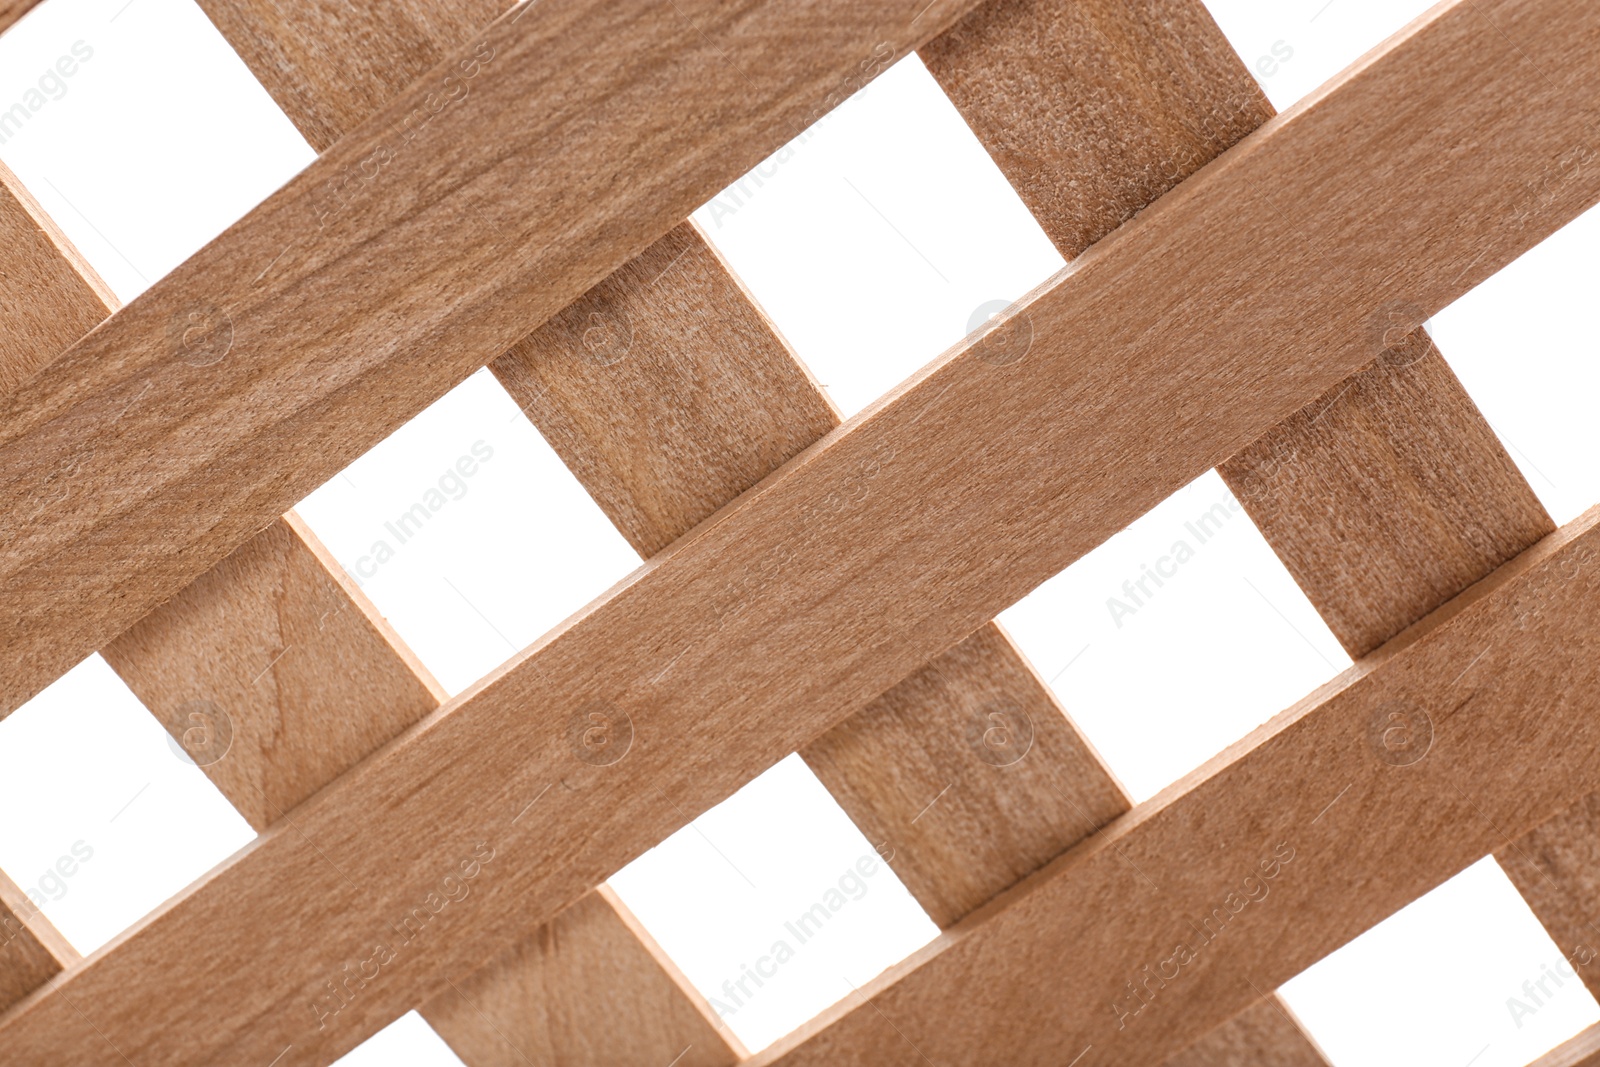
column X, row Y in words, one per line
column 1265, row 1034
column 1093, row 110
column 32, row 950
column 768, row 625
column 330, row 65
column 1295, row 840
column 591, row 987
column 12, row 10
column 970, row 773
column 666, row 391
column 308, row 331
column 49, row 294
column 1388, row 496
column 275, row 672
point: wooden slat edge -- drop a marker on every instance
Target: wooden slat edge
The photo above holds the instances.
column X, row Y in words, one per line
column 32, row 950
column 11, row 11
column 51, row 295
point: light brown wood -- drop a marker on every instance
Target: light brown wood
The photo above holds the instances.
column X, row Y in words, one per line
column 969, row 773
column 275, row 672
column 1295, row 840
column 1388, row 496
column 590, row 987
column 1266, row 1034
column 666, row 391
column 12, row 10
column 307, row 332
column 32, row 950
column 330, row 65
column 724, row 683
column 49, row 293
column 1093, row 110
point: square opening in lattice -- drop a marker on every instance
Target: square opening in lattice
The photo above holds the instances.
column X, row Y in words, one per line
column 774, row 905
column 1463, row 975
column 145, row 135
column 1176, row 637
column 880, row 236
column 1523, row 344
column 116, row 816
column 468, row 532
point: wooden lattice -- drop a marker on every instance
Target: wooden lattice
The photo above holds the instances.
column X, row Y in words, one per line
column 809, row 586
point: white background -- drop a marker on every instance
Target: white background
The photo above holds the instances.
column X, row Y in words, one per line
column 871, row 246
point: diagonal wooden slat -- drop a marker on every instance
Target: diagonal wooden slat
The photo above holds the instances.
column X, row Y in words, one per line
column 1382, row 509
column 1388, row 496
column 935, row 769
column 1038, row 825
column 1093, row 111
column 12, row 10
column 1386, row 499
column 669, row 393
column 50, row 294
column 515, row 212
column 275, row 672
column 1275, row 853
column 661, row 450
column 1040, row 529
column 32, row 950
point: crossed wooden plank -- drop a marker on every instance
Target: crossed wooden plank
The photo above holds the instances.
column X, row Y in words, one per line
column 520, row 210
column 204, row 642
column 177, row 651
